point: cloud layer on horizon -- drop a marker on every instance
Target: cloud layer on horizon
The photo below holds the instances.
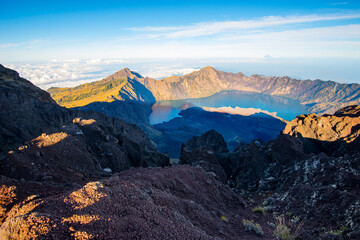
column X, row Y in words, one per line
column 239, row 41
column 73, row 72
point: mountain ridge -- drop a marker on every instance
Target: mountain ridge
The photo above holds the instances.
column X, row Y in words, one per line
column 122, row 85
column 320, row 96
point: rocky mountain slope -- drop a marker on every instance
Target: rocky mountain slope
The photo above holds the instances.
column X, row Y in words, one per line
column 318, row 192
column 57, row 177
column 169, row 203
column 41, row 140
column 135, row 112
column 57, row 184
column 122, row 85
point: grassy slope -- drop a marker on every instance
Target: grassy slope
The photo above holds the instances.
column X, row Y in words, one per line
column 104, row 91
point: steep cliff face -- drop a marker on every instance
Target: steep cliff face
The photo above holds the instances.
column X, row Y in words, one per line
column 320, row 96
column 135, row 112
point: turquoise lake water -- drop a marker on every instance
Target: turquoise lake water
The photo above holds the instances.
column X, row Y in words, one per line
column 287, row 109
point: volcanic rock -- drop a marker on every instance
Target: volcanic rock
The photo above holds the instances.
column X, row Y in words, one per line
column 169, row 203
column 211, row 140
column 205, row 151
column 327, row 133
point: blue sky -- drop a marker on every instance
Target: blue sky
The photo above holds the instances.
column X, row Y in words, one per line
column 266, row 37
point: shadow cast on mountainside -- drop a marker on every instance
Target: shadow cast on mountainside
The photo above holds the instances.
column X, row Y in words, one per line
column 331, row 148
column 234, row 128
column 139, row 90
column 135, row 112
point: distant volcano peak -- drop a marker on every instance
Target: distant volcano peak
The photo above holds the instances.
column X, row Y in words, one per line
column 126, row 72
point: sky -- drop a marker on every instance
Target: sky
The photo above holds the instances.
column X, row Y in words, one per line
column 64, row 43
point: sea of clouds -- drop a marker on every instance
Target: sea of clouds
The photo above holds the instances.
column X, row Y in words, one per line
column 73, row 72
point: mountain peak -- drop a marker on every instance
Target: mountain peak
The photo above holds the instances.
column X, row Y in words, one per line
column 208, row 68
column 125, row 72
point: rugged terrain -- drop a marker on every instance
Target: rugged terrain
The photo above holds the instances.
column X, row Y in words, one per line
column 317, row 190
column 64, row 174
column 170, row 203
column 41, row 140
column 327, row 133
column 53, row 159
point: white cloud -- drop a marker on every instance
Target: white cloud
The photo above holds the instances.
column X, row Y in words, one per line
column 333, row 33
column 66, row 73
column 211, row 28
column 339, row 3
column 73, row 72
column 160, row 72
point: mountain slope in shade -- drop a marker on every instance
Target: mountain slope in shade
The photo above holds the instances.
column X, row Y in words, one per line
column 122, row 85
column 320, row 96
column 10, row 81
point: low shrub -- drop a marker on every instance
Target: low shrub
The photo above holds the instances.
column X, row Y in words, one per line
column 250, row 226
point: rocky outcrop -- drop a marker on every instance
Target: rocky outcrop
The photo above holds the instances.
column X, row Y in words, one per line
column 169, row 203
column 211, row 140
column 206, row 151
column 61, row 144
column 333, row 134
